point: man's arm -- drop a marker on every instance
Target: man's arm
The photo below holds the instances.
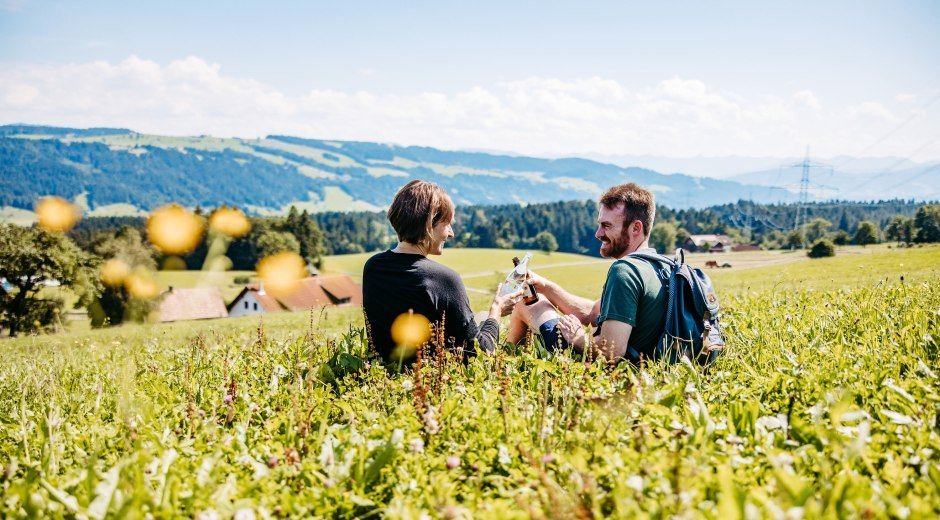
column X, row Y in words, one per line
column 583, row 309
column 611, row 342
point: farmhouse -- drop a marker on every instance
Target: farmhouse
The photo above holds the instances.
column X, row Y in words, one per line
column 313, row 292
column 253, row 300
column 710, row 243
column 195, row 303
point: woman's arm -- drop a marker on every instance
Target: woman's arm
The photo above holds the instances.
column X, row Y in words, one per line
column 502, row 305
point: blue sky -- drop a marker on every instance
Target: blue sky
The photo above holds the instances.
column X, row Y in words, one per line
column 659, row 78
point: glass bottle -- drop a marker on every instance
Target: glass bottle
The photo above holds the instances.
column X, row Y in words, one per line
column 529, row 296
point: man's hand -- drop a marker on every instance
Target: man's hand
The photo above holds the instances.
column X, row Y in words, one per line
column 571, row 329
column 584, row 309
column 537, row 281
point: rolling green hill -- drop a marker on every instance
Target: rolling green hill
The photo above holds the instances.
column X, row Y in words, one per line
column 113, row 171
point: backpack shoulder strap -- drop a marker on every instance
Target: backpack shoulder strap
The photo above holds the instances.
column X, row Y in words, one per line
column 664, row 273
column 654, row 256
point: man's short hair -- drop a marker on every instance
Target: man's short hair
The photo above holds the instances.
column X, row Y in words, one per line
column 419, row 206
column 638, row 204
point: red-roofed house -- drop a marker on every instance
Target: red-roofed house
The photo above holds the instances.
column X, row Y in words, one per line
column 341, row 289
column 253, row 300
column 194, row 303
column 711, row 243
column 311, row 293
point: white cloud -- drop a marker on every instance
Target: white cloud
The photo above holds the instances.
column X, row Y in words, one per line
column 807, row 99
column 873, row 110
column 13, row 5
column 676, row 117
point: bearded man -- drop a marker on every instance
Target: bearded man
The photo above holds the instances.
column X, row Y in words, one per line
column 631, row 312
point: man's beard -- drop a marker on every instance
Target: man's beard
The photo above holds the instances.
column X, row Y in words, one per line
column 615, row 248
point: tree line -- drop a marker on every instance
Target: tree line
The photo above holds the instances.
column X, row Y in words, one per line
column 31, row 258
column 563, row 226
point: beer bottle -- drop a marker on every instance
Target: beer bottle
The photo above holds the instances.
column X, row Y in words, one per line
column 529, row 296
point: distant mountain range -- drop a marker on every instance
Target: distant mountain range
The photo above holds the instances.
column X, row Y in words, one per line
column 117, row 171
column 840, row 177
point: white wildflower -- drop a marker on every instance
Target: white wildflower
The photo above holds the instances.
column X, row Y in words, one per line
column 794, row 513
column 430, row 421
column 635, row 482
column 503, row 456
column 245, row 514
column 897, row 418
column 208, row 514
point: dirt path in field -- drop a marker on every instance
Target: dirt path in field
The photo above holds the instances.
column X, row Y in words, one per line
column 547, row 266
column 752, row 259
column 739, row 261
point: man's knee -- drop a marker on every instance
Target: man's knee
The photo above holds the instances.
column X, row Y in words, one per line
column 538, row 313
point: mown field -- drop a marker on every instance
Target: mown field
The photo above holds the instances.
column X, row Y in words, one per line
column 826, row 404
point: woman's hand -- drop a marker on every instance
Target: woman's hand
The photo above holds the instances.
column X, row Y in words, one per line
column 503, row 305
column 570, row 328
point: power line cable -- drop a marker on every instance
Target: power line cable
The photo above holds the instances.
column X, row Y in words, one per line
column 893, row 131
column 891, row 168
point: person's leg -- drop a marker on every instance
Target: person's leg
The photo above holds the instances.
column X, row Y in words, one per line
column 518, row 324
column 541, row 317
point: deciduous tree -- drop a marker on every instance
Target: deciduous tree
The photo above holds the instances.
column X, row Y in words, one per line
column 31, row 259
column 663, row 237
column 927, row 223
column 116, row 304
column 545, row 241
column 867, row 233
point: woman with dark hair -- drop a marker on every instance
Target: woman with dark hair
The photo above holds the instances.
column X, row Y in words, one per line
column 404, row 279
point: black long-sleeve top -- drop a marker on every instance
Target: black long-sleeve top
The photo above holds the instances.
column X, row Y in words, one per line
column 393, row 283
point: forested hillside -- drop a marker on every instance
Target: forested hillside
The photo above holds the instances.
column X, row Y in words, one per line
column 108, row 167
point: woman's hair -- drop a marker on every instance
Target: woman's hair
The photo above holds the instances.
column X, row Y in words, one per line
column 418, row 207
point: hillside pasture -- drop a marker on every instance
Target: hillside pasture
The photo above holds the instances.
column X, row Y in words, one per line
column 826, row 405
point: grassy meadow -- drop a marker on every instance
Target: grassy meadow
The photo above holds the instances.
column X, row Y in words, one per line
column 826, row 404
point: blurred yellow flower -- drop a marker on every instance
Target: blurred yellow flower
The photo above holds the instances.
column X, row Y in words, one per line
column 57, row 214
column 229, row 221
column 174, row 230
column 114, row 271
column 141, row 285
column 410, row 329
column 282, row 272
column 173, row 263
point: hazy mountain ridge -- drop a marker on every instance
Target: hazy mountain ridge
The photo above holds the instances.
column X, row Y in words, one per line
column 117, row 168
column 843, row 177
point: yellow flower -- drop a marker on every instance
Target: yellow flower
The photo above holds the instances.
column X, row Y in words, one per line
column 281, row 273
column 410, row 329
column 141, row 285
column 57, row 214
column 114, row 271
column 175, row 230
column 229, row 221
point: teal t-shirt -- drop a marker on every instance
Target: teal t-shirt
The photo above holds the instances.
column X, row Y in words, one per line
column 634, row 294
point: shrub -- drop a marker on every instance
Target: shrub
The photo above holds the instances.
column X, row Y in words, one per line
column 821, row 249
column 867, row 233
column 546, row 242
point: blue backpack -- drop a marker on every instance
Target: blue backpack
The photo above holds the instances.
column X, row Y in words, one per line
column 692, row 329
